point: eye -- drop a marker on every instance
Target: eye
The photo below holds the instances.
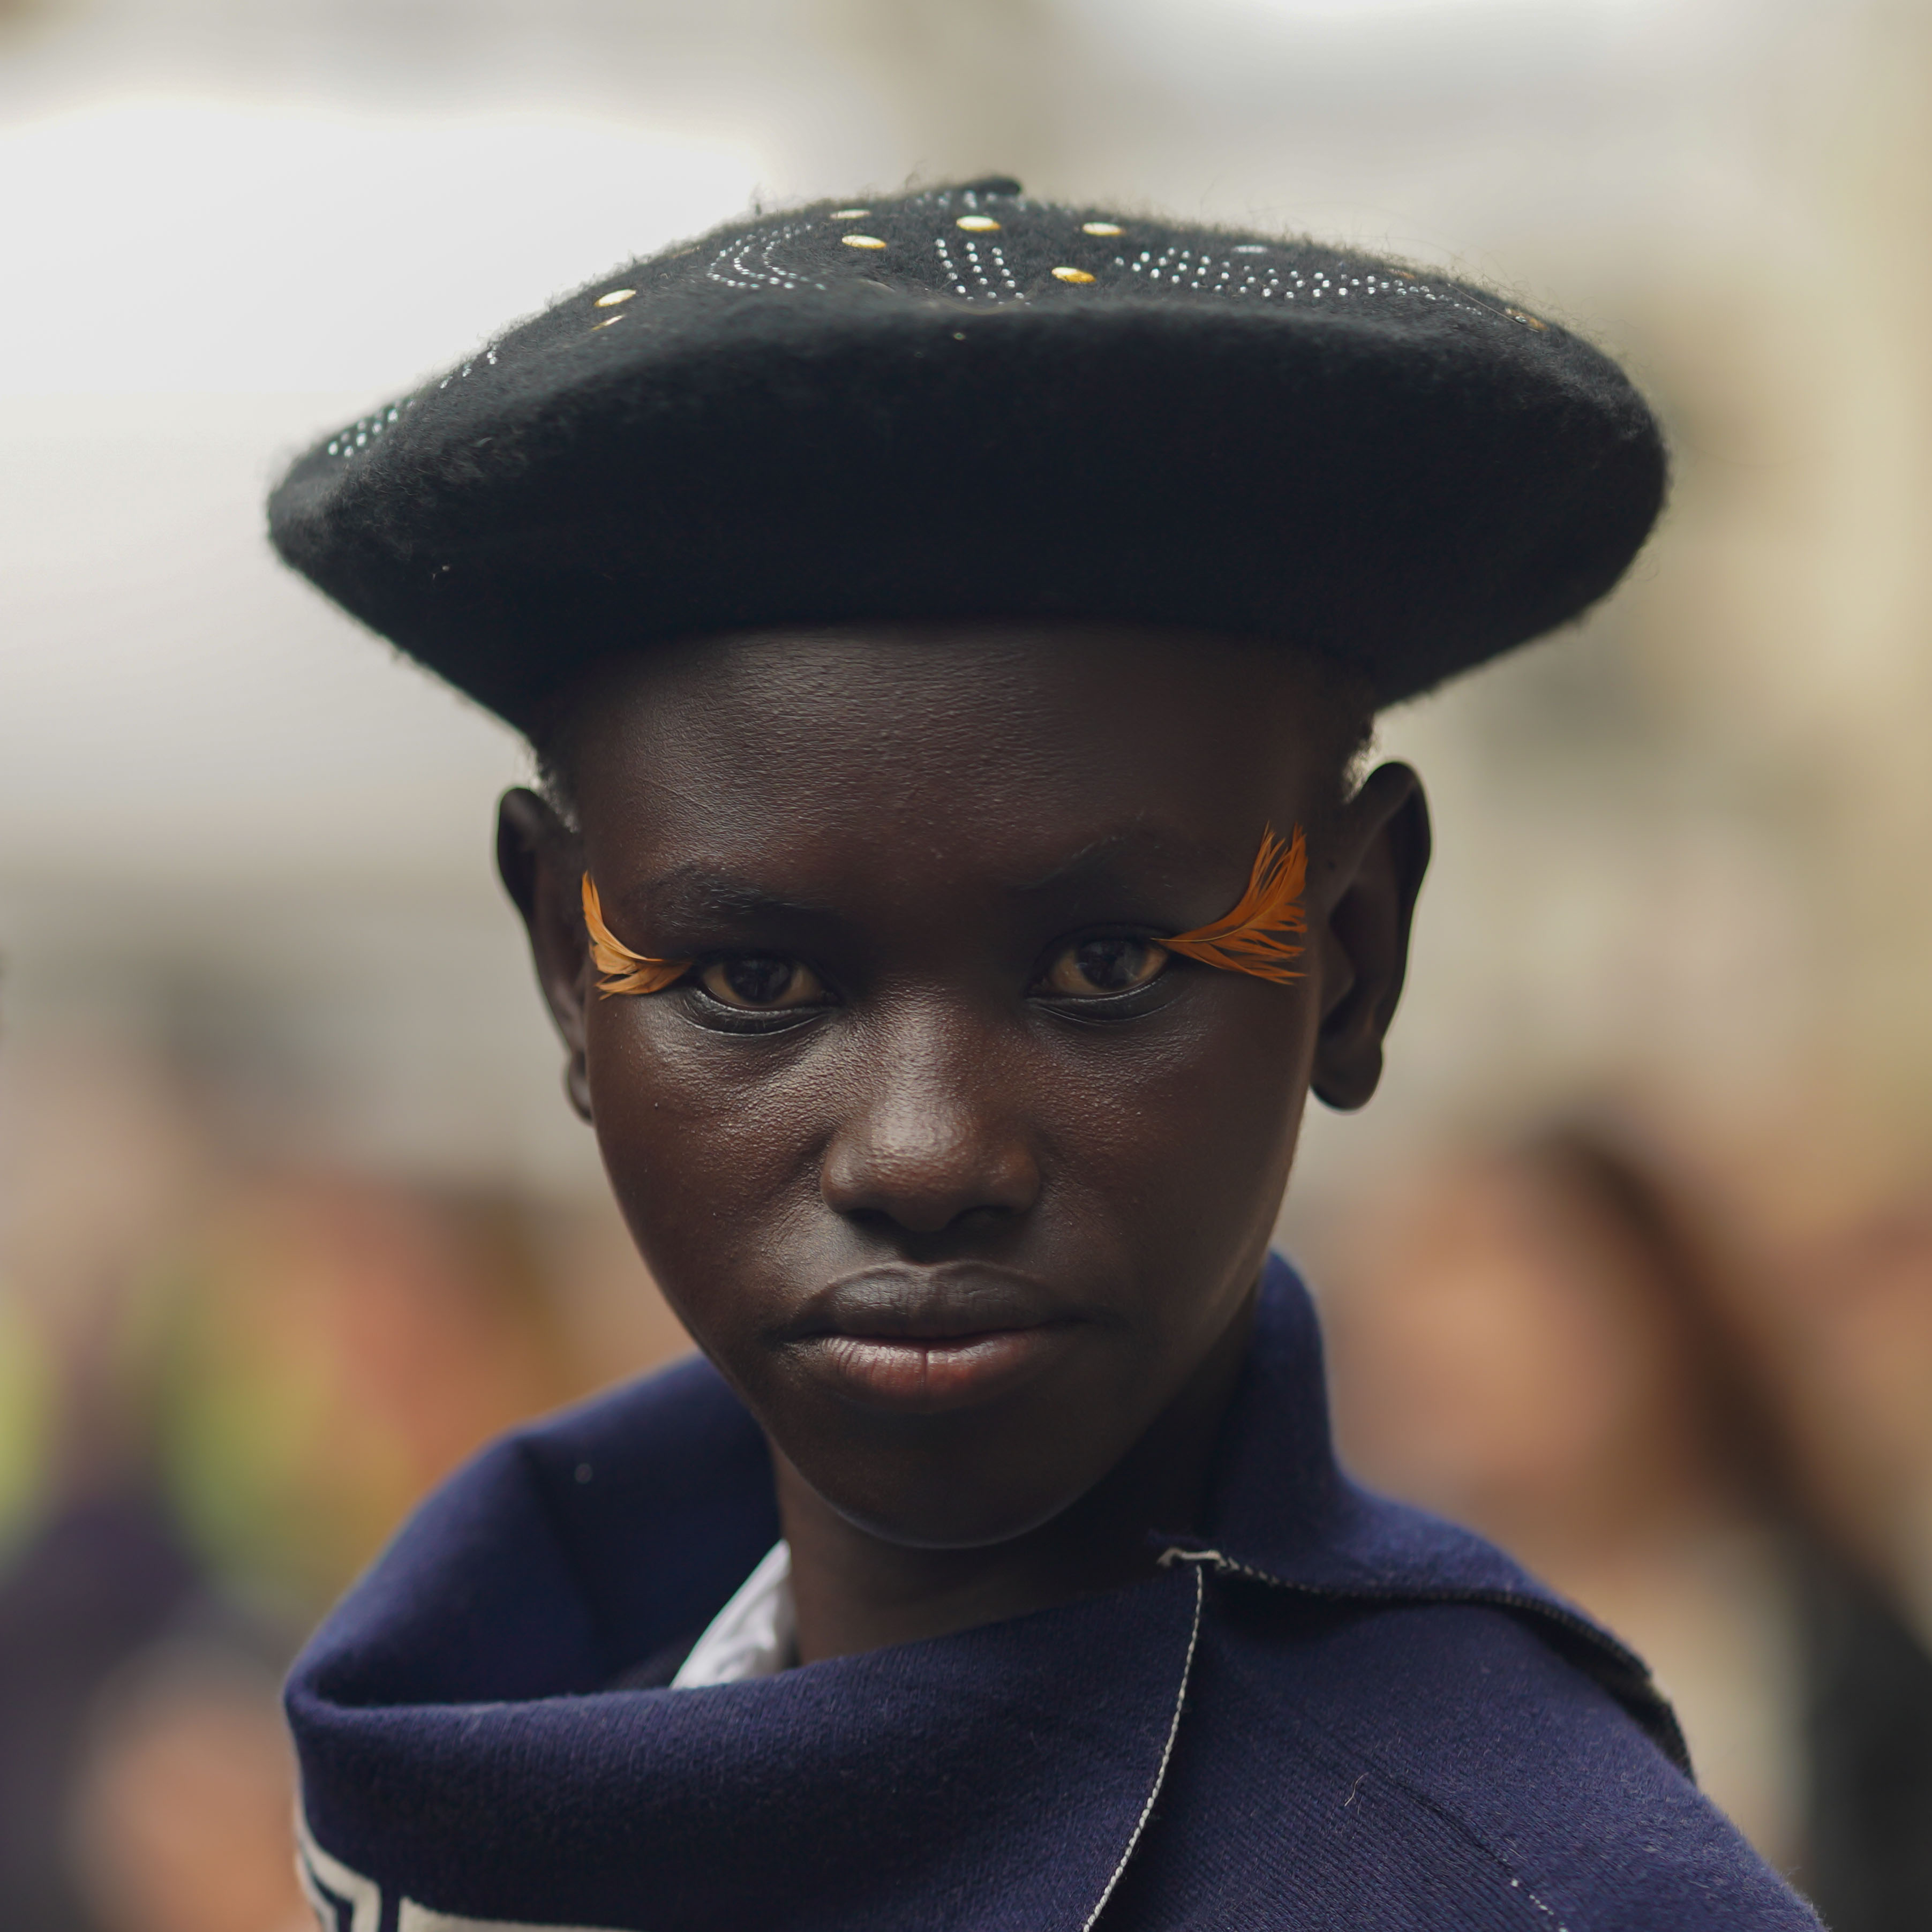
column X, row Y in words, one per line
column 761, row 982
column 1092, row 968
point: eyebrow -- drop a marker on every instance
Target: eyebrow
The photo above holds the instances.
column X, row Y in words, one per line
column 697, row 891
column 1106, row 861
column 1111, row 863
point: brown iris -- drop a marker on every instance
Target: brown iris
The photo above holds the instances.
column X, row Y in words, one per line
column 761, row 982
column 1092, row 968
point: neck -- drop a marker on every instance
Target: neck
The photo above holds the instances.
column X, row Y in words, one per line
column 856, row 1592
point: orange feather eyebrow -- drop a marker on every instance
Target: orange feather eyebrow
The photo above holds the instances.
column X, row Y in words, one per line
column 1253, row 938
column 624, row 971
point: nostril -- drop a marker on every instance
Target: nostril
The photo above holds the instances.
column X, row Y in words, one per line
column 968, row 1224
column 923, row 1211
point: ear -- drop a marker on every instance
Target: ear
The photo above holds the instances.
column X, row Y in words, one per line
column 541, row 862
column 1381, row 852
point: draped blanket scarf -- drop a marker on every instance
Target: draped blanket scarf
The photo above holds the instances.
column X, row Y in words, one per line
column 1327, row 1711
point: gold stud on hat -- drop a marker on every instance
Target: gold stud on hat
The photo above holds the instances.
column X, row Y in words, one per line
column 1102, row 228
column 861, row 241
column 1072, row 275
column 614, row 297
column 848, row 213
column 976, row 224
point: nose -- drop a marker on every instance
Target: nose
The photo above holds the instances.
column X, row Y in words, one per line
column 935, row 1132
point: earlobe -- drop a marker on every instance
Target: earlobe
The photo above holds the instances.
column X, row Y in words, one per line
column 576, row 1086
column 1385, row 837
column 538, row 860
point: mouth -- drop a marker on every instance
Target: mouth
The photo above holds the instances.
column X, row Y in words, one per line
column 924, row 1340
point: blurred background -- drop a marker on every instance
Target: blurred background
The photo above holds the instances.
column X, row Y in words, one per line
column 1629, row 1264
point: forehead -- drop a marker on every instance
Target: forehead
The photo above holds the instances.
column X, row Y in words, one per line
column 1004, row 731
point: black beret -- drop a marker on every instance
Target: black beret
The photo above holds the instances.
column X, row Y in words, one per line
column 967, row 404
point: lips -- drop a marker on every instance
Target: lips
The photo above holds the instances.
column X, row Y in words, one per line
column 928, row 1339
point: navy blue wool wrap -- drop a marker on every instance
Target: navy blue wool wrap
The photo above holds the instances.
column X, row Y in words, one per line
column 1328, row 1711
column 990, row 408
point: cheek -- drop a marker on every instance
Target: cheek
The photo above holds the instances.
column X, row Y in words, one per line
column 1190, row 1139
column 706, row 1158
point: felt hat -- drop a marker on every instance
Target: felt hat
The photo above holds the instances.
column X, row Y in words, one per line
column 969, row 403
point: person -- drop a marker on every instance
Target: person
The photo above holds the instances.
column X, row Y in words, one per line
column 1544, row 1339
column 1550, row 1339
column 949, row 627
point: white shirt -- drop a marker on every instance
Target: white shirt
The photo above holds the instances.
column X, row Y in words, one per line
column 754, row 1635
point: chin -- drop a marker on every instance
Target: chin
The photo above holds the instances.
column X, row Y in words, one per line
column 958, row 1503
column 978, row 1522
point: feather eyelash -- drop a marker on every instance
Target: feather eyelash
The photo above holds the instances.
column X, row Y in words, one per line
column 624, row 971
column 1253, row 938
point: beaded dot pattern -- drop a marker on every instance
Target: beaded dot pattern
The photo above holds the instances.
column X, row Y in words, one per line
column 953, row 244
column 365, row 429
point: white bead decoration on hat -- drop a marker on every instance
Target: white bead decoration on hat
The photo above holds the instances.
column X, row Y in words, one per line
column 976, row 269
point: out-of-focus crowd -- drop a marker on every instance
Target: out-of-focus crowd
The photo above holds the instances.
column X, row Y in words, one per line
column 1696, row 1398
column 1699, row 1403
column 1680, row 853
column 221, row 1386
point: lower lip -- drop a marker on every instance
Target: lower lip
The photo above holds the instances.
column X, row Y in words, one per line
column 926, row 1374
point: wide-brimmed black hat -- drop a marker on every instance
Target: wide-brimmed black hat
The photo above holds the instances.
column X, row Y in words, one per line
column 967, row 403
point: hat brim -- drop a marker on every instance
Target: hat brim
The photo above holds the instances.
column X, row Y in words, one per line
column 1405, row 490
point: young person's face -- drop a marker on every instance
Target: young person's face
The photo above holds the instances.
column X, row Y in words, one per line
column 955, row 1175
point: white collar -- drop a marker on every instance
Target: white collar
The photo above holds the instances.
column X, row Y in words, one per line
column 754, row 1635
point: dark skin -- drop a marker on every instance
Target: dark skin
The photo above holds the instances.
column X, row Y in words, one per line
column 963, row 1183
